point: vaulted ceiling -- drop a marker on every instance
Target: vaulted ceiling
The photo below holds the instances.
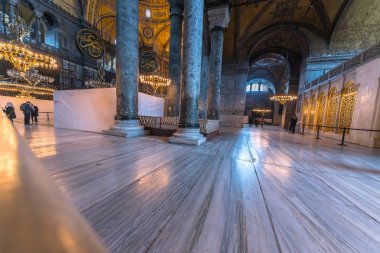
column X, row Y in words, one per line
column 256, row 25
column 154, row 30
column 259, row 24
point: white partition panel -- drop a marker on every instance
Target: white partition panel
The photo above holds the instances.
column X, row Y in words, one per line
column 94, row 109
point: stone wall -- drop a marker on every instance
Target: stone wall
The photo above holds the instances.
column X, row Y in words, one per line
column 366, row 114
column 232, row 97
column 358, row 28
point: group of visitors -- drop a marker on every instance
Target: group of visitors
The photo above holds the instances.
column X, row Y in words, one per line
column 30, row 112
column 259, row 121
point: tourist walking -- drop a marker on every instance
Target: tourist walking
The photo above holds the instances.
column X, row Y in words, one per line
column 27, row 110
column 293, row 123
column 9, row 110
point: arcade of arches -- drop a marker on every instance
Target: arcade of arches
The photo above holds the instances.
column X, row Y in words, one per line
column 206, row 73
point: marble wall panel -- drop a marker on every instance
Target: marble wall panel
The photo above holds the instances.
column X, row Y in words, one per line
column 94, row 110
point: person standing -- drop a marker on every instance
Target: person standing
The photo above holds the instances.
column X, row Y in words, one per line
column 27, row 110
column 10, row 111
column 293, row 123
column 35, row 113
column 32, row 112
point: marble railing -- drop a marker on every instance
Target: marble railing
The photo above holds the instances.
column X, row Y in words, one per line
column 159, row 122
column 35, row 216
column 205, row 126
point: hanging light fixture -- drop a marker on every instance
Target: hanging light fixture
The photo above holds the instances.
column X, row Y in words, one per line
column 19, row 55
column 155, row 81
column 262, row 110
column 283, row 98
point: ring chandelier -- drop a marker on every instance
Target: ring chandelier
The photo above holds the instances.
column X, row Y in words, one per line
column 283, row 98
column 155, row 81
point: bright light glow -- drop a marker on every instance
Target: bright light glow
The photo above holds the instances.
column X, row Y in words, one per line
column 155, row 81
column 148, row 13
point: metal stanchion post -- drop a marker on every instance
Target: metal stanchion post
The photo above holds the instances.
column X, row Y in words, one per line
column 343, row 137
column 303, row 129
column 318, row 132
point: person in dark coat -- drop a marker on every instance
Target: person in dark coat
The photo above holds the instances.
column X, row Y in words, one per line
column 27, row 110
column 36, row 113
column 9, row 110
column 293, row 123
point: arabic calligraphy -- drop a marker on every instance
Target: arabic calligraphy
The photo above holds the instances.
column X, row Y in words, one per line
column 148, row 62
column 90, row 44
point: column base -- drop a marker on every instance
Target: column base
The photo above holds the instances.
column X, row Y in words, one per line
column 188, row 136
column 126, row 128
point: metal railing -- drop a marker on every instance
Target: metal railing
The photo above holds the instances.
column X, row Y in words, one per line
column 49, row 118
column 159, row 122
column 344, row 131
column 35, row 216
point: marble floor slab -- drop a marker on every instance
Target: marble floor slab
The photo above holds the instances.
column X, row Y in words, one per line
column 248, row 190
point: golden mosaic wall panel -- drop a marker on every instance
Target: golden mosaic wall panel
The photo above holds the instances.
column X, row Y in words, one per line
column 347, row 105
column 305, row 110
column 322, row 101
column 332, row 109
column 313, row 108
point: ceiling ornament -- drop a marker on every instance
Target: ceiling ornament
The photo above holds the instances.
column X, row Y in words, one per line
column 148, row 32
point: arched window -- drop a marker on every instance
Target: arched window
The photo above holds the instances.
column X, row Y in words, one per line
column 148, row 13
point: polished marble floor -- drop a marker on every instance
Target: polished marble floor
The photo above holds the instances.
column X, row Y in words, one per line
column 249, row 190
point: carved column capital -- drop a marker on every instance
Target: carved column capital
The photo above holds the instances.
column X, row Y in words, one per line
column 219, row 17
column 13, row 2
column 176, row 7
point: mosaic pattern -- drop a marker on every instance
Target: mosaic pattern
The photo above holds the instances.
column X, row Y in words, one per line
column 347, row 105
column 332, row 109
column 312, row 110
column 305, row 110
column 322, row 101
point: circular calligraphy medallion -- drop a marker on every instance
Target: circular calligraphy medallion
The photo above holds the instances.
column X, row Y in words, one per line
column 148, row 32
column 90, row 43
column 148, row 62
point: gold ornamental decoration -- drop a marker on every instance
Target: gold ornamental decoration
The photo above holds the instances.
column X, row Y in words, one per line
column 90, row 43
column 283, row 98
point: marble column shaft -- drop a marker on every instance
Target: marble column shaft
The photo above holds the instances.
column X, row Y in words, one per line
column 127, row 59
column 215, row 77
column 219, row 18
column 205, row 69
column 191, row 68
column 37, row 16
column 176, row 19
column 12, row 4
